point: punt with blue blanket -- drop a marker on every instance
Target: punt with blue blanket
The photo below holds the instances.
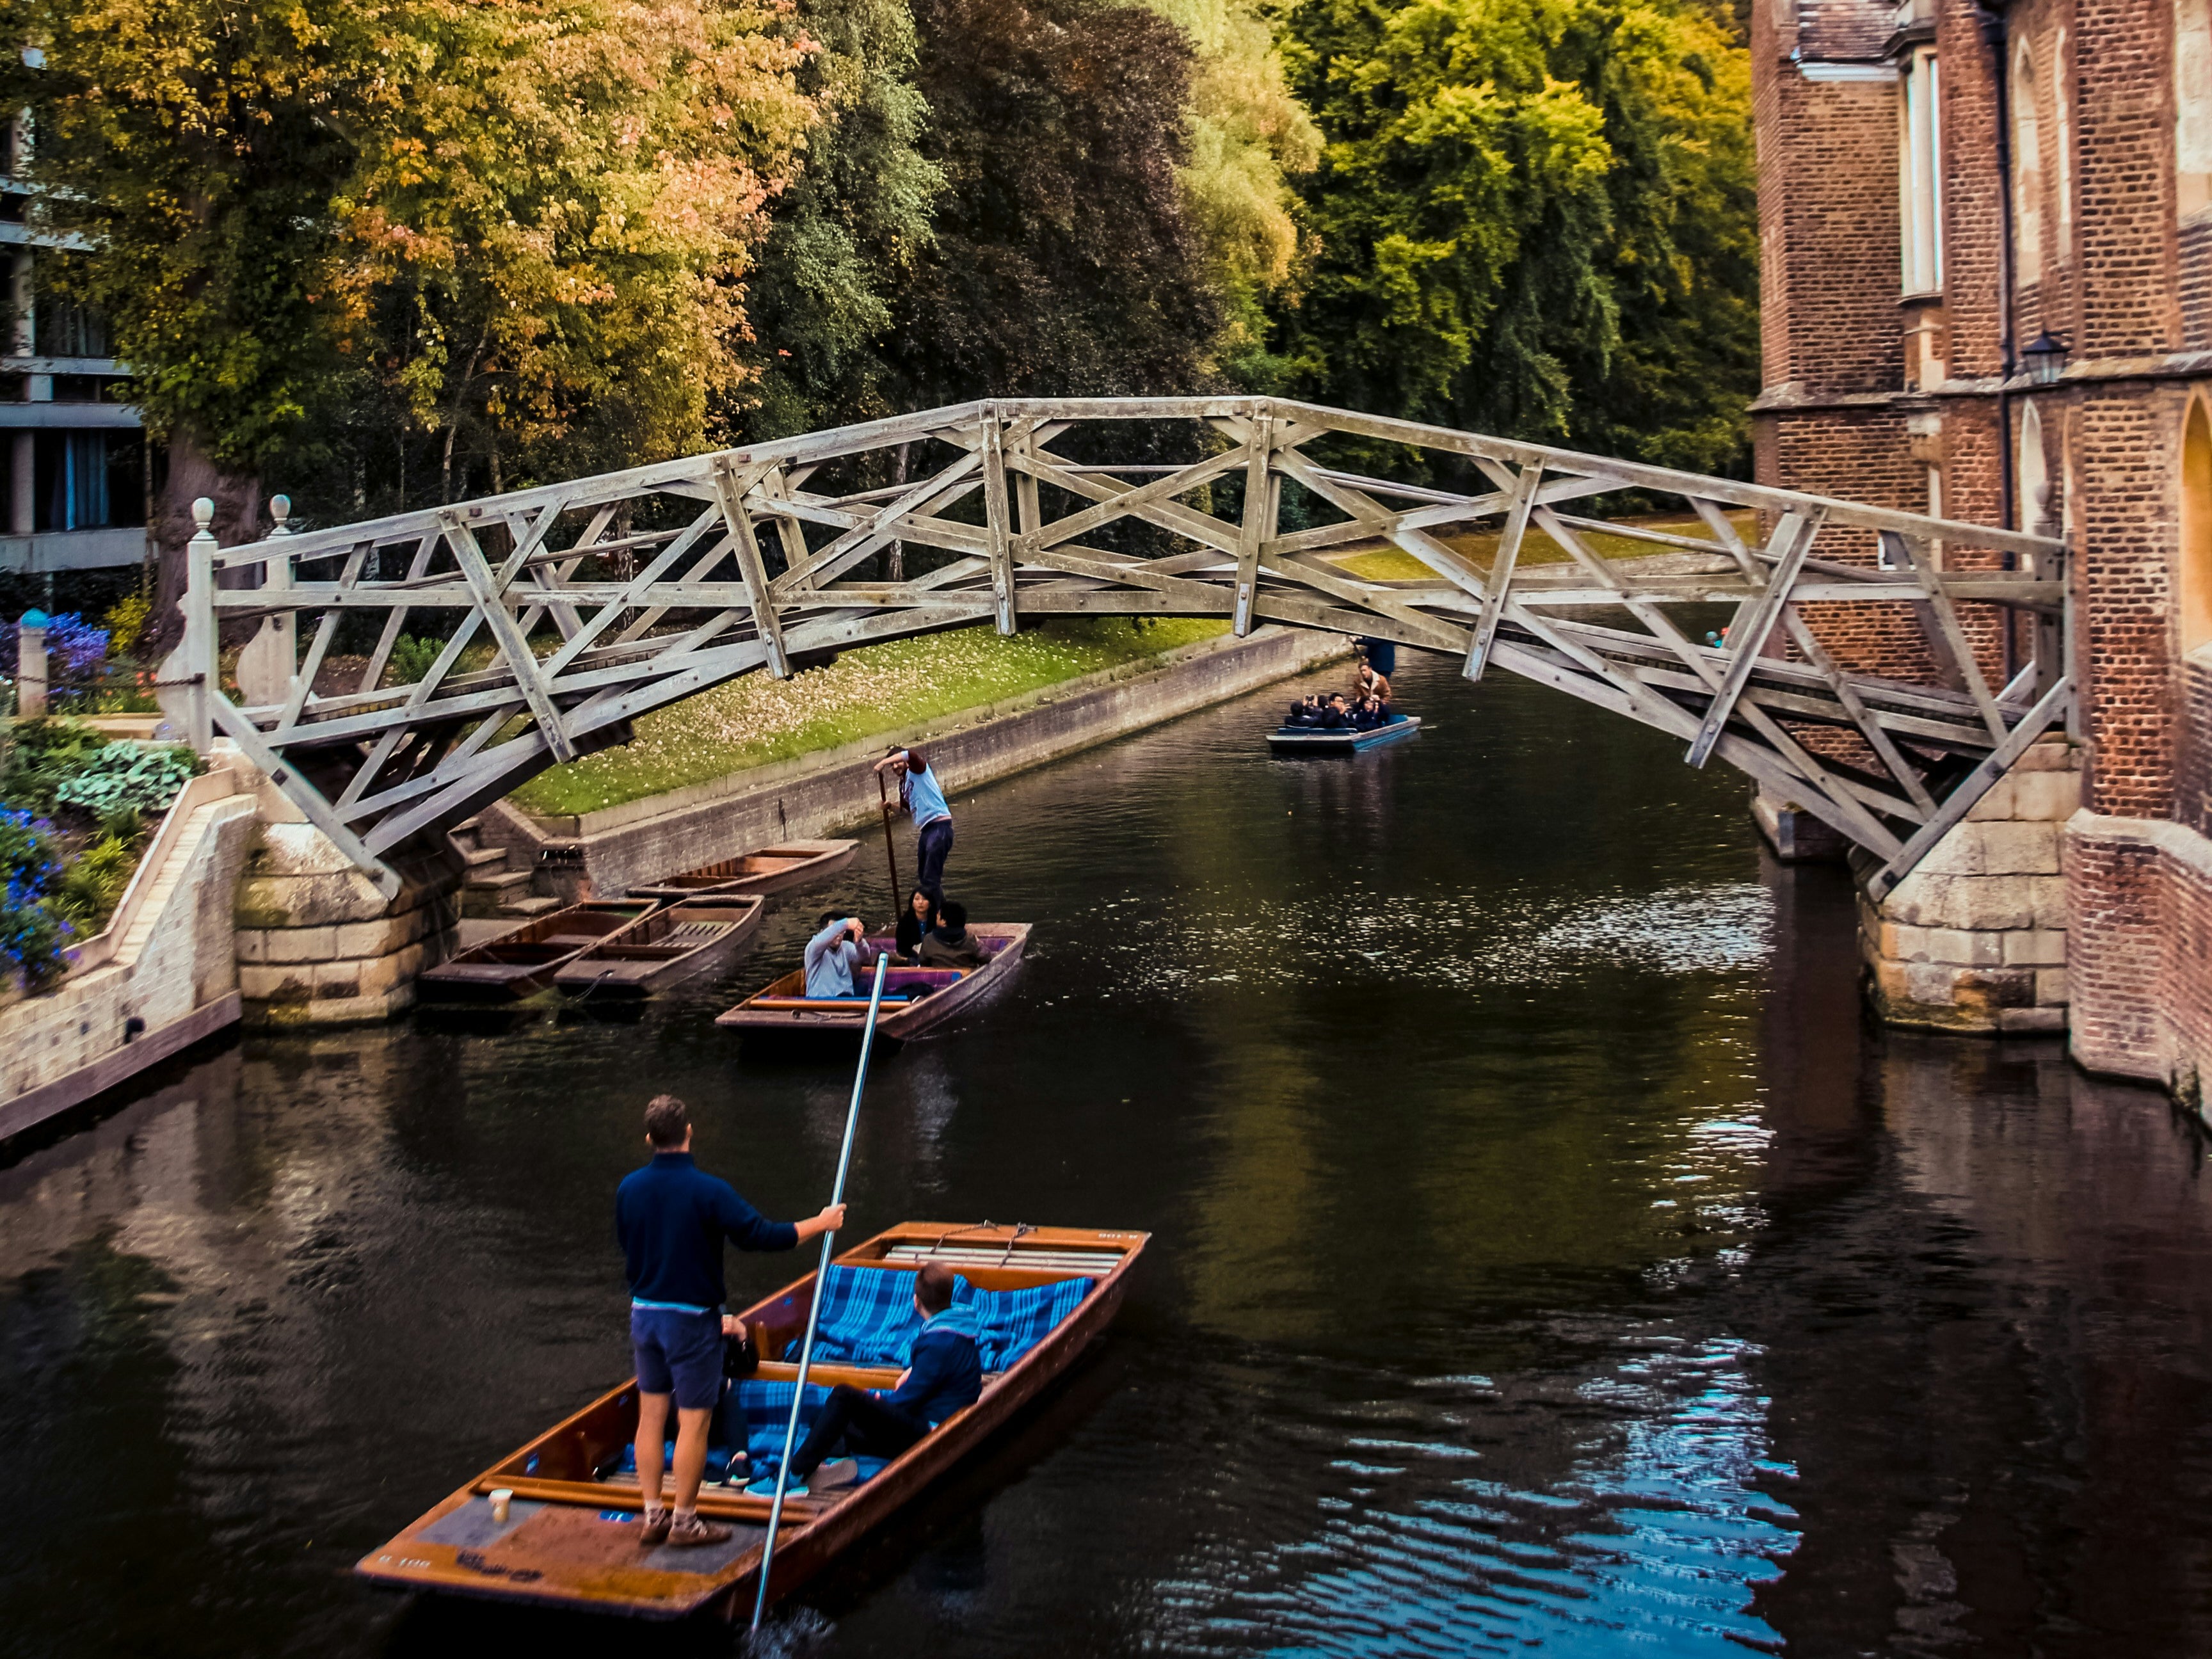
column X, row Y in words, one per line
column 914, row 999
column 1039, row 1296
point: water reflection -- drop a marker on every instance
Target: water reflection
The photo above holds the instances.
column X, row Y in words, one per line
column 1548, row 1257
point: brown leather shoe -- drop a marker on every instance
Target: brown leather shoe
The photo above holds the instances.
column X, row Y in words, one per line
column 655, row 1530
column 690, row 1532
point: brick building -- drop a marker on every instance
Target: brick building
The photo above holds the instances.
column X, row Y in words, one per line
column 1987, row 244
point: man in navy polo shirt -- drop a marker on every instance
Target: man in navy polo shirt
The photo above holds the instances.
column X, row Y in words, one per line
column 671, row 1217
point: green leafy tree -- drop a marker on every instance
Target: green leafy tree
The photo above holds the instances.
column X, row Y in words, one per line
column 1064, row 259
column 1534, row 218
column 848, row 233
column 1246, row 133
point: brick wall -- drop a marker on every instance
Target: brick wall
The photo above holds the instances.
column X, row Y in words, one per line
column 2140, row 915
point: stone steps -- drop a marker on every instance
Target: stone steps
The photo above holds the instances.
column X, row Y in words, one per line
column 491, row 888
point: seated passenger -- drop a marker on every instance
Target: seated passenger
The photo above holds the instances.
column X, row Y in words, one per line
column 949, row 945
column 832, row 954
column 913, row 927
column 945, row 1373
column 1338, row 714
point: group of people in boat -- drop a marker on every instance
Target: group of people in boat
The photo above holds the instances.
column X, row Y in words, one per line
column 1366, row 706
column 671, row 1219
column 932, row 930
column 931, row 933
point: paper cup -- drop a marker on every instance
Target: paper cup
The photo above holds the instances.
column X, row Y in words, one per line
column 500, row 1500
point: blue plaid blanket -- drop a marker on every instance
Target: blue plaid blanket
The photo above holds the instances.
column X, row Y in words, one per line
column 868, row 1318
column 1012, row 1322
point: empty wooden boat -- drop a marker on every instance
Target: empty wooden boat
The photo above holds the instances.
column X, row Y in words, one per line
column 522, row 963
column 1342, row 739
column 914, row 999
column 568, row 1538
column 766, row 870
column 672, row 943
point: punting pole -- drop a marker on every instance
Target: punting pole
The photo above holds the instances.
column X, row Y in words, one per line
column 821, row 1277
column 890, row 850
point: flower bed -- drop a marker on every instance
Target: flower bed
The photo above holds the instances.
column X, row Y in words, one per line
column 75, row 813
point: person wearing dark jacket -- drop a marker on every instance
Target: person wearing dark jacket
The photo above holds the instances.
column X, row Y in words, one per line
column 671, row 1218
column 944, row 1374
column 949, row 945
column 913, row 927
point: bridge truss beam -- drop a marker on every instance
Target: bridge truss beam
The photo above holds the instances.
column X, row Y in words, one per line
column 569, row 609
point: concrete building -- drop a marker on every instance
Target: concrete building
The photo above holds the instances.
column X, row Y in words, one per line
column 1987, row 234
column 75, row 479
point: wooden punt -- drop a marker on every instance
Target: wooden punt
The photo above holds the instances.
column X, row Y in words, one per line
column 569, row 1538
column 1341, row 740
column 523, row 962
column 765, row 870
column 672, row 943
column 914, row 999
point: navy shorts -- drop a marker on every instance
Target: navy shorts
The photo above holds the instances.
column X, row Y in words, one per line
column 678, row 1353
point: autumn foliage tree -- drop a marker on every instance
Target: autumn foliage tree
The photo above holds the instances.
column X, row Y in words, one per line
column 522, row 228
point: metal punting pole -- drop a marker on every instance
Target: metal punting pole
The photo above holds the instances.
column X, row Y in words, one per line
column 821, row 1277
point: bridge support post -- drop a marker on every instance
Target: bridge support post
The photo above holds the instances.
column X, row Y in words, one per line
column 1974, row 939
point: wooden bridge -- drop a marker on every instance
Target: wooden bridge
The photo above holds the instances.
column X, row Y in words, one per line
column 566, row 611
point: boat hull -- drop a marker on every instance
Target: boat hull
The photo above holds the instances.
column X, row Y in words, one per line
column 525, row 960
column 586, row 1559
column 1311, row 740
column 763, row 870
column 625, row 972
column 782, row 1011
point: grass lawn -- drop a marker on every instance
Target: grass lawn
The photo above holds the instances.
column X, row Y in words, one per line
column 1394, row 564
column 754, row 720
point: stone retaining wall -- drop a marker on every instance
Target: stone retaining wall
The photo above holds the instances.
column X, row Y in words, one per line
column 819, row 794
column 167, row 981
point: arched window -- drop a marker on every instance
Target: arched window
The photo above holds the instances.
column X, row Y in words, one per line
column 2027, row 172
column 2192, row 106
column 2195, row 562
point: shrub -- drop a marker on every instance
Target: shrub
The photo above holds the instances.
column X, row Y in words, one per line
column 411, row 658
column 42, row 756
column 31, row 931
column 124, row 776
column 126, row 620
column 92, row 885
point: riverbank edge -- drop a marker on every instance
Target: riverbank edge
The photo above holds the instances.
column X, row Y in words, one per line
column 608, row 852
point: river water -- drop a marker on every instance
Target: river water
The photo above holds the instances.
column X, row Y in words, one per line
column 1547, row 1256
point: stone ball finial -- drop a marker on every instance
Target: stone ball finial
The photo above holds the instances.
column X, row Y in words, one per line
column 204, row 511
column 280, row 509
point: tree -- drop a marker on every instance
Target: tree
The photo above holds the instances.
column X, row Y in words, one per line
column 522, row 228
column 1535, row 217
column 848, row 233
column 1065, row 259
column 1247, row 132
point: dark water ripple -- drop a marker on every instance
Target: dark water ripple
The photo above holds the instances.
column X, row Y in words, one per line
column 1547, row 1258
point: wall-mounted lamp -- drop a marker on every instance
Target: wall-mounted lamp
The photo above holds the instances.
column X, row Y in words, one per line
column 2043, row 358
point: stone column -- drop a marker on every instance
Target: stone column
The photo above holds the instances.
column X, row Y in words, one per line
column 30, row 666
column 317, row 944
column 1974, row 940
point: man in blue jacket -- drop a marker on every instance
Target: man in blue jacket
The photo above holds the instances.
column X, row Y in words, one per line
column 671, row 1217
column 945, row 1373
